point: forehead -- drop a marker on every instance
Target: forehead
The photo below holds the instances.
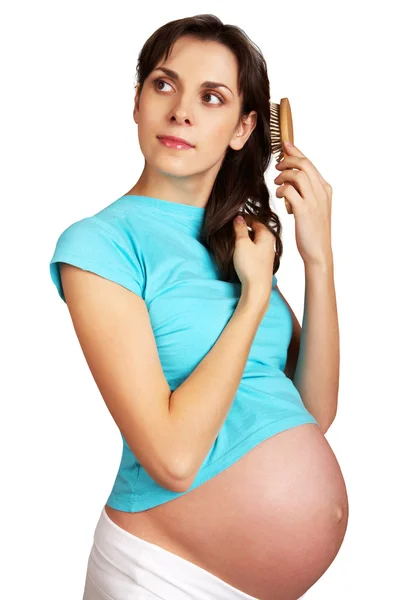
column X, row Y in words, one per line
column 200, row 60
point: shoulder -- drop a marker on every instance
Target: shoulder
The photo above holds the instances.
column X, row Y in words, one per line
column 106, row 244
column 105, row 230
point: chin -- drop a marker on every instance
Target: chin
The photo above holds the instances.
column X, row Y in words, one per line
column 172, row 165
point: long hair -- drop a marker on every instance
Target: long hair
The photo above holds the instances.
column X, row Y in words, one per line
column 240, row 184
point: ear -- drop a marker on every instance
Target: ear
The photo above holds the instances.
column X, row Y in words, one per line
column 244, row 131
column 136, row 107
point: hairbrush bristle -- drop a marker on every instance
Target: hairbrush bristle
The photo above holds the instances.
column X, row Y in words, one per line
column 276, row 139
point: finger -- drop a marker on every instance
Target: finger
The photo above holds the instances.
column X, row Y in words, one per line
column 304, row 163
column 291, row 194
column 261, row 231
column 293, row 152
column 299, row 180
column 240, row 227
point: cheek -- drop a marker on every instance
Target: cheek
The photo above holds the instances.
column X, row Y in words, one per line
column 148, row 122
column 148, row 127
column 217, row 150
column 215, row 139
column 220, row 132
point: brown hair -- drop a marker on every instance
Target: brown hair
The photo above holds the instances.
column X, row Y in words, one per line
column 240, row 181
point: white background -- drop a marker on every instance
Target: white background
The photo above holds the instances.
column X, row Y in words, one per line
column 69, row 148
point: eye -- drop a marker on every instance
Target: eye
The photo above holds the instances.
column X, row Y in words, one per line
column 221, row 101
column 159, row 80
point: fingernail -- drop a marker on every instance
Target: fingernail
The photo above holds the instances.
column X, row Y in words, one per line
column 239, row 219
column 287, row 143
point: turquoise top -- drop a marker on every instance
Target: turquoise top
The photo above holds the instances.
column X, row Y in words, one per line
column 152, row 247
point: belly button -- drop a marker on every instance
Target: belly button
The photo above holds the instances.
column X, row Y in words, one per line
column 339, row 513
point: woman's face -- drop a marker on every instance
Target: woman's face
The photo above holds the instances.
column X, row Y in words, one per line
column 206, row 117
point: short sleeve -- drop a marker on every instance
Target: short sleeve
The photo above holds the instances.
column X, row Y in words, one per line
column 107, row 250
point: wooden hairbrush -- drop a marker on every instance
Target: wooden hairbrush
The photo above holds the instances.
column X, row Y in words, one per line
column 281, row 129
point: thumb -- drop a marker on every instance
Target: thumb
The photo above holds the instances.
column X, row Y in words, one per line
column 241, row 226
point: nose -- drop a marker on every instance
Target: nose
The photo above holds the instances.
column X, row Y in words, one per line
column 180, row 116
column 180, row 112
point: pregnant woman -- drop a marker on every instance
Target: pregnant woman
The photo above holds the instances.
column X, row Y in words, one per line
column 227, row 487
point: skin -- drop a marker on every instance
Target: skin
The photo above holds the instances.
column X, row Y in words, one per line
column 182, row 108
column 293, row 525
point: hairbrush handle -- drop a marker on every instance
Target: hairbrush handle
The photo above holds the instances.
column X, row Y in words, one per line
column 281, row 129
column 286, row 129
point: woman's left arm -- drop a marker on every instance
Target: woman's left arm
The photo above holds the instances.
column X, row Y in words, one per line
column 313, row 355
column 316, row 376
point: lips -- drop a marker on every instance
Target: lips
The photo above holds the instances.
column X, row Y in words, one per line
column 175, row 140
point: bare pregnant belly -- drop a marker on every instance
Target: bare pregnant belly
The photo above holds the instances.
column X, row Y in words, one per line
column 269, row 525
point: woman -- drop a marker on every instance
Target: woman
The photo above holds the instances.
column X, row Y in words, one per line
column 227, row 487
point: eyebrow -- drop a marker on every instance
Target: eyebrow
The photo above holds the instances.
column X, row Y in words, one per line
column 205, row 84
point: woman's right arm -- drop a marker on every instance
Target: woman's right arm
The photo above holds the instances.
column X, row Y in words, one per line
column 200, row 405
column 169, row 433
